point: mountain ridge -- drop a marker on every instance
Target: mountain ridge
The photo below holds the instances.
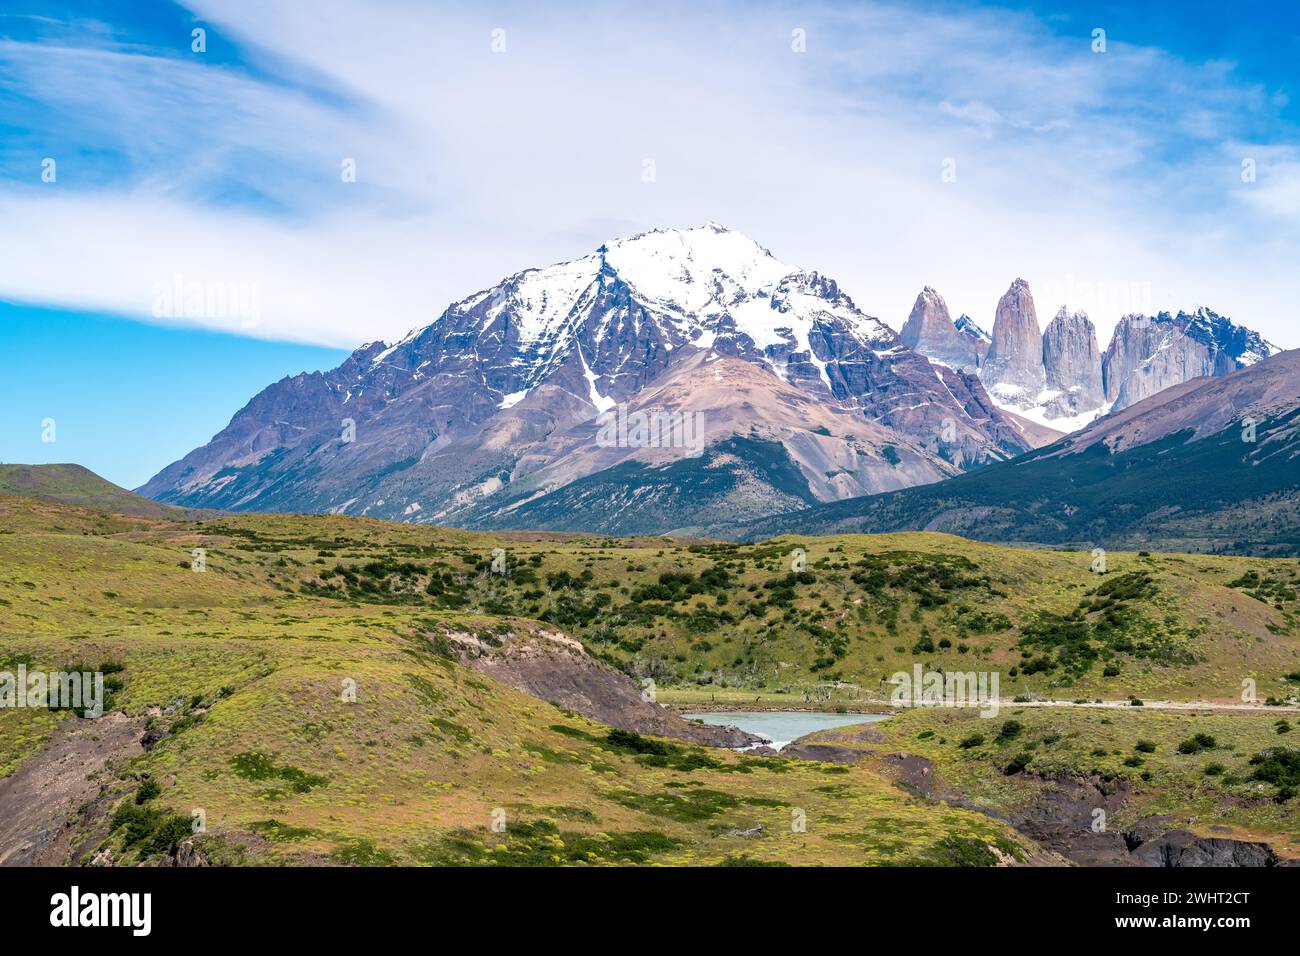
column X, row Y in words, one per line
column 1057, row 377
column 1205, row 466
column 479, row 417
column 431, row 426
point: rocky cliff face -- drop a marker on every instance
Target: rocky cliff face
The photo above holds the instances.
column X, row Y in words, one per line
column 930, row 330
column 495, row 392
column 1072, row 363
column 1148, row 354
column 1145, row 356
column 1013, row 371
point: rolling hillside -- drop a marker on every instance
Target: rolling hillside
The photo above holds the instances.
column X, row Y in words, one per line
column 230, row 688
column 228, row 698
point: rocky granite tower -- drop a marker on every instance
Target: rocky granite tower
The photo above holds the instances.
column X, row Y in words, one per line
column 1013, row 370
column 930, row 331
column 1072, row 364
column 1150, row 353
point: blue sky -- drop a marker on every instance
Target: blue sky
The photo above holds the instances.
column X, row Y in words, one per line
column 492, row 137
column 128, row 398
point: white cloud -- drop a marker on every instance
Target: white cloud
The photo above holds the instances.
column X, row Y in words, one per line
column 473, row 165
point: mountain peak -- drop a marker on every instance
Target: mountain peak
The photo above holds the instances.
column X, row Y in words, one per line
column 457, row 415
column 930, row 330
column 713, row 243
column 1014, row 367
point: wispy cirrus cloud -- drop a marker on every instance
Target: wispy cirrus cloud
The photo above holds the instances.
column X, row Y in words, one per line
column 1072, row 168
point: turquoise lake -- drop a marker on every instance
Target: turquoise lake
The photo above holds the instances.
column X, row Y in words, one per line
column 782, row 726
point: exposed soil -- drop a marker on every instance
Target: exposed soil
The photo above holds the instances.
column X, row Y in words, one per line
column 37, row 800
column 557, row 669
column 1063, row 817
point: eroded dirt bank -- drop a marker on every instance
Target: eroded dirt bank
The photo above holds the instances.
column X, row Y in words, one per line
column 39, row 798
column 557, row 669
column 1061, row 818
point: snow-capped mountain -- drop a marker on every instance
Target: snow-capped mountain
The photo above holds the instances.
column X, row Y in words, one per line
column 500, row 399
column 1148, row 354
column 981, row 340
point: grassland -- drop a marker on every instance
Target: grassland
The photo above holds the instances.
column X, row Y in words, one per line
column 741, row 618
column 1202, row 771
column 76, row 485
column 240, row 670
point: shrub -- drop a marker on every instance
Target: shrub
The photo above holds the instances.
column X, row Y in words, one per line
column 148, row 790
column 1197, row 743
column 1018, row 763
column 1010, row 730
column 151, row 831
column 1279, row 766
column 634, row 742
column 961, row 851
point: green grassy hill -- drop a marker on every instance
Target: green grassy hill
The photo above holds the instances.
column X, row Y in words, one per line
column 75, row 485
column 725, row 616
column 235, row 674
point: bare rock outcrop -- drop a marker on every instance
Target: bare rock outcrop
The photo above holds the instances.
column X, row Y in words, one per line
column 1148, row 354
column 1182, row 848
column 930, row 330
column 1072, row 363
column 1014, row 369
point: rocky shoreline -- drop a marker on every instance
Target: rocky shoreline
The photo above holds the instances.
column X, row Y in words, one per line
column 1062, row 817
